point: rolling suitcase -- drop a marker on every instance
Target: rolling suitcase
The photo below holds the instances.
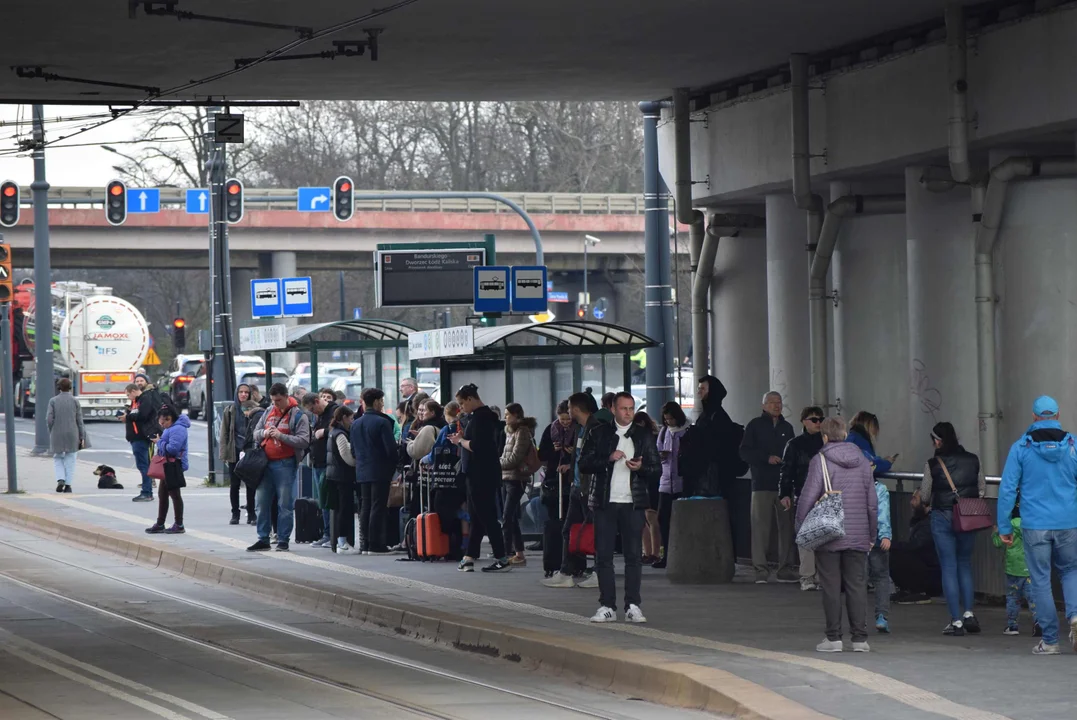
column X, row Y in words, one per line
column 308, row 520
column 430, row 542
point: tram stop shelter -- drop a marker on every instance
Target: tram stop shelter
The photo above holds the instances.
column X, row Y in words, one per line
column 382, row 346
column 540, row 364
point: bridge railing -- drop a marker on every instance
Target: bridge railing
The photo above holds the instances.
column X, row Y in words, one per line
column 284, row 199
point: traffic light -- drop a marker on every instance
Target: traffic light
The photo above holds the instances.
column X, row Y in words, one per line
column 343, row 189
column 581, row 312
column 9, row 204
column 116, row 202
column 179, row 334
column 233, row 201
column 6, row 291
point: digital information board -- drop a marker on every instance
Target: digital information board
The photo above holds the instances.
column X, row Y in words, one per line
column 434, row 277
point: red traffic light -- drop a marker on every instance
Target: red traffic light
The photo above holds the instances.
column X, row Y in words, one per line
column 345, row 186
column 581, row 313
column 10, row 190
column 179, row 323
column 234, row 188
column 116, row 189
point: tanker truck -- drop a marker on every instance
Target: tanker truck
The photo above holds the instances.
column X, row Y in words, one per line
column 99, row 343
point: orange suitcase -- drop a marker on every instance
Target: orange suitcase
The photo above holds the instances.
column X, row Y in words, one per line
column 430, row 542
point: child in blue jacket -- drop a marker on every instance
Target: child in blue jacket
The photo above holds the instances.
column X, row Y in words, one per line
column 879, row 561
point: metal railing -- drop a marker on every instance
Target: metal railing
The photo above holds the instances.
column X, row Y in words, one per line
column 910, row 481
column 285, row 199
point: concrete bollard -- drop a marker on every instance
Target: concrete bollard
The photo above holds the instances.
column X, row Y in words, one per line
column 700, row 543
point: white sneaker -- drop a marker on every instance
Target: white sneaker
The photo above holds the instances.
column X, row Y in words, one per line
column 634, row 615
column 559, row 580
column 861, row 647
column 591, row 581
column 347, row 549
column 807, row 584
column 322, row 543
column 604, row 615
column 830, row 646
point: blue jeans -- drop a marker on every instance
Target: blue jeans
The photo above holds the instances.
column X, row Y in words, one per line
column 1042, row 549
column 955, row 561
column 1017, row 587
column 141, row 450
column 319, row 476
column 278, row 484
column 64, row 465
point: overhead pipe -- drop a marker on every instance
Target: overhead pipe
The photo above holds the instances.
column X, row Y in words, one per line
column 701, row 306
column 957, row 65
column 820, row 266
column 992, row 203
column 699, row 243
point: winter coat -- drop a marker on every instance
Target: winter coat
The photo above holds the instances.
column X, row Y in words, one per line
column 66, row 431
column 482, row 462
column 709, row 459
column 1043, row 466
column 173, row 441
column 883, row 495
column 850, row 474
column 599, row 444
column 764, row 439
column 423, row 444
column 373, row 446
column 339, row 468
column 443, row 442
column 859, row 437
column 794, row 468
column 553, row 458
column 669, row 446
column 318, row 457
column 964, row 469
column 519, row 440
column 141, row 419
column 234, row 426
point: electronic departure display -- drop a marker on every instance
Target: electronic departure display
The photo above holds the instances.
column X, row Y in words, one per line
column 437, row 277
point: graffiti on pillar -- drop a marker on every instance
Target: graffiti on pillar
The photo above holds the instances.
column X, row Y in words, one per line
column 922, row 388
column 778, row 383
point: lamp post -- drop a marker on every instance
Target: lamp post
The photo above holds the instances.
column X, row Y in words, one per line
column 588, row 240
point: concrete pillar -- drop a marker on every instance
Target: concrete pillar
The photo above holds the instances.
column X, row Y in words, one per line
column 739, row 345
column 942, row 381
column 282, row 265
column 1036, row 282
column 872, row 327
column 787, row 302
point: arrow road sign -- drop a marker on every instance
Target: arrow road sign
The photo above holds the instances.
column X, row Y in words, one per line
column 143, row 200
column 4, row 276
column 198, row 201
column 313, row 199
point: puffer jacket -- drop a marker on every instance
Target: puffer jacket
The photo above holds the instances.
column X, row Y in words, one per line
column 518, row 443
column 173, row 441
column 850, row 474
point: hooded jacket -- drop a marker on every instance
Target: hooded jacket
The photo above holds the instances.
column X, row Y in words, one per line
column 318, row 446
column 850, row 474
column 173, row 441
column 234, row 427
column 711, row 445
column 1043, row 466
column 764, row 438
column 518, row 443
column 858, row 436
column 599, row 444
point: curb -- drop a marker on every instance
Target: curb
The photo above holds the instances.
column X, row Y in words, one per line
column 632, row 673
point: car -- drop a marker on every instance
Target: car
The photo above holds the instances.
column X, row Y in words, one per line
column 196, row 391
column 181, row 372
column 352, row 387
column 327, row 372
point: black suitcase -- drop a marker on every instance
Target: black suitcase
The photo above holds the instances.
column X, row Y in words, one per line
column 308, row 520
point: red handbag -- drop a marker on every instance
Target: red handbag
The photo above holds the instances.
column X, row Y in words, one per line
column 157, row 467
column 970, row 514
column 581, row 539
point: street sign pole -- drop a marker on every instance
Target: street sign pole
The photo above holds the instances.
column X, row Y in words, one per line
column 7, row 388
column 46, row 383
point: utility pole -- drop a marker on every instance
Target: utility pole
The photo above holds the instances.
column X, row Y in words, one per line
column 46, row 381
column 6, row 381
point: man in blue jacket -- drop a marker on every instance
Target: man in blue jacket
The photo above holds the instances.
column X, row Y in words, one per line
column 1043, row 466
column 375, row 460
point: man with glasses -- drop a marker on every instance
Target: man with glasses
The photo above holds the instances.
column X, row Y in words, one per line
column 794, row 471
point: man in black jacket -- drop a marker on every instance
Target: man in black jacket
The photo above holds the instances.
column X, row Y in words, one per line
column 140, row 420
column 623, row 460
column 324, row 407
column 794, row 471
column 765, row 439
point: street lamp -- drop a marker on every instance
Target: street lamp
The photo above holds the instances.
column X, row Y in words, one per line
column 588, row 240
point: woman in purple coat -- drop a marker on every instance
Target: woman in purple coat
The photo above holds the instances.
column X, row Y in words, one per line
column 843, row 563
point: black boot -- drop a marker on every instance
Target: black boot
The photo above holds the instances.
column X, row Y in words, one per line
column 251, row 519
column 235, row 518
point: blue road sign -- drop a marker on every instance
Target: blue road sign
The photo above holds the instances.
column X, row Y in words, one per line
column 492, row 289
column 298, row 300
column 313, row 199
column 561, row 297
column 529, row 289
column 266, row 298
column 143, row 200
column 599, row 313
column 198, row 201
column 357, row 314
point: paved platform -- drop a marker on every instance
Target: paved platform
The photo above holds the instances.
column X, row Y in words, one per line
column 761, row 634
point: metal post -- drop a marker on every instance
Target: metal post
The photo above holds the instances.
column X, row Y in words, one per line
column 46, row 383
column 211, row 471
column 342, row 315
column 658, row 295
column 7, row 388
column 586, row 297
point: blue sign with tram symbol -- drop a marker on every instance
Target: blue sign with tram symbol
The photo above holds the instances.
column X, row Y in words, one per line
column 492, row 289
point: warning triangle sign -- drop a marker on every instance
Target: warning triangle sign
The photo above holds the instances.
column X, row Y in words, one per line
column 151, row 358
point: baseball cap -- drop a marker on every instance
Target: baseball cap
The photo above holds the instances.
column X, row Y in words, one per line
column 1044, row 406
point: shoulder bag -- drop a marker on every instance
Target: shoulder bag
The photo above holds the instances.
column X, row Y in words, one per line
column 825, row 522
column 969, row 514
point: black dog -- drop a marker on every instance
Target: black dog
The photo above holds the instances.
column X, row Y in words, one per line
column 106, row 478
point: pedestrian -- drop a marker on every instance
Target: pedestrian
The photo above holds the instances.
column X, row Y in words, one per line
column 863, row 433
column 233, row 439
column 671, row 484
column 709, row 459
column 585, row 414
column 622, row 459
column 375, row 460
column 150, row 392
column 283, row 431
column 340, row 478
column 408, row 387
column 516, row 477
column 325, row 405
column 556, row 449
column 480, row 461
column 879, row 560
column 172, row 445
column 1042, row 466
column 450, row 502
column 914, row 563
column 1018, row 585
column 67, row 435
column 605, row 414
column 140, row 421
column 953, row 472
column 764, row 441
column 791, row 476
column 841, row 564
column 652, row 536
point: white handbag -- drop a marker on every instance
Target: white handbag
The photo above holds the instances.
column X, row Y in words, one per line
column 826, row 521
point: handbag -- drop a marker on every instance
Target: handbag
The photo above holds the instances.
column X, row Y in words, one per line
column 825, row 522
column 532, row 462
column 581, row 539
column 252, row 466
column 173, row 475
column 970, row 514
column 396, row 491
column 157, row 467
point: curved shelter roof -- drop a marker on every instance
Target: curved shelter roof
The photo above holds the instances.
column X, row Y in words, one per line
column 581, row 335
column 300, row 337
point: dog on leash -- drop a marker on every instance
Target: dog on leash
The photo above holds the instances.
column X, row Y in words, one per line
column 106, row 478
